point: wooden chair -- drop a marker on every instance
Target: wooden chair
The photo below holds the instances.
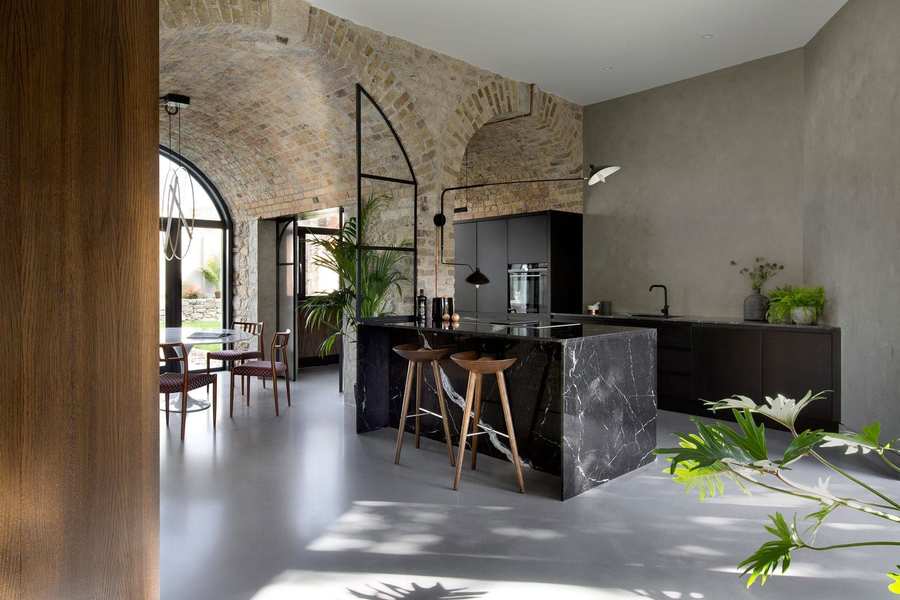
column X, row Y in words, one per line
column 183, row 382
column 239, row 355
column 417, row 357
column 263, row 369
column 478, row 367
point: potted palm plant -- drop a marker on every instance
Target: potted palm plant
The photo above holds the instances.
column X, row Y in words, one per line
column 380, row 275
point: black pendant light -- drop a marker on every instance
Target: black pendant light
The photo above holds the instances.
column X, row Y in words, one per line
column 477, row 278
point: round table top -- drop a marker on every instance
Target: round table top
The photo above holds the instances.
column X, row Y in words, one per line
column 186, row 335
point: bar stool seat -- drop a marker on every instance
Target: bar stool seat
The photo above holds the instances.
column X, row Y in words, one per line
column 417, row 356
column 478, row 366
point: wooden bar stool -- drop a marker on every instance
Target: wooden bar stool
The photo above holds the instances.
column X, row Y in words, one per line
column 478, row 367
column 417, row 357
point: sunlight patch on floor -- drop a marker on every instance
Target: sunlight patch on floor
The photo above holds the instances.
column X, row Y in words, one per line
column 321, row 585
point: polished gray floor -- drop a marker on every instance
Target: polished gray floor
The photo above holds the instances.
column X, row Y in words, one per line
column 300, row 507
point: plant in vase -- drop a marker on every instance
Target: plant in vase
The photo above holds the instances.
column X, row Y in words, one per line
column 799, row 305
column 717, row 452
column 761, row 271
column 379, row 276
column 211, row 274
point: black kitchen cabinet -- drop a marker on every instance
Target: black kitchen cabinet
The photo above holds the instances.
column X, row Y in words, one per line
column 706, row 360
column 798, row 362
column 726, row 362
column 464, row 244
column 529, row 239
column 553, row 238
column 491, row 259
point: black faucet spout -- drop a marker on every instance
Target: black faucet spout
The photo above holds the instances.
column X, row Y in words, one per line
column 665, row 308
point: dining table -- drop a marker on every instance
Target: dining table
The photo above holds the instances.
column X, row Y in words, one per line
column 190, row 337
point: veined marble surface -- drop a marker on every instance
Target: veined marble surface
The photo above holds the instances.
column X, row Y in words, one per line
column 583, row 408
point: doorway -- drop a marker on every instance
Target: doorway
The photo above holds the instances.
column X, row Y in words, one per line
column 299, row 275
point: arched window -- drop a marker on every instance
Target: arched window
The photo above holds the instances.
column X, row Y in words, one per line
column 195, row 274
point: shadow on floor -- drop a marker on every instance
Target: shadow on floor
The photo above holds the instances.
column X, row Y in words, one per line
column 389, row 591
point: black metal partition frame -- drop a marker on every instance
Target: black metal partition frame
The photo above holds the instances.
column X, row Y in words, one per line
column 360, row 176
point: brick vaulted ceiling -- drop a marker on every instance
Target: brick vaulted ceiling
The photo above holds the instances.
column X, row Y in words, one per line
column 270, row 122
column 272, row 109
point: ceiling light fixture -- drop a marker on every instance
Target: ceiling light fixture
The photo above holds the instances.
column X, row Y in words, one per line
column 708, row 36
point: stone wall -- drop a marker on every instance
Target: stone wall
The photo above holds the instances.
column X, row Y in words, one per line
column 272, row 124
column 198, row 309
column 544, row 143
column 271, row 120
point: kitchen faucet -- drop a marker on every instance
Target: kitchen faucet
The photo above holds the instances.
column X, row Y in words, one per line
column 665, row 308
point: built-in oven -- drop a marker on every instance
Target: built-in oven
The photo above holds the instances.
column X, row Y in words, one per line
column 528, row 288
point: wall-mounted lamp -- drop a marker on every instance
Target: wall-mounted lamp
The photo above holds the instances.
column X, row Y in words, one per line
column 477, row 278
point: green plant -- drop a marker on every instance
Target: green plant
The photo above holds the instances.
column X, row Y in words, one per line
column 784, row 299
column 211, row 271
column 379, row 274
column 716, row 453
column 760, row 272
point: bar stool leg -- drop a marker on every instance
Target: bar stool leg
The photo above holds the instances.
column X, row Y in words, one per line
column 404, row 407
column 464, row 428
column 443, row 406
column 477, row 420
column 504, row 404
column 419, row 376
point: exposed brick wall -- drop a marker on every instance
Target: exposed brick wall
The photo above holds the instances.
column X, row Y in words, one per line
column 544, row 144
column 272, row 118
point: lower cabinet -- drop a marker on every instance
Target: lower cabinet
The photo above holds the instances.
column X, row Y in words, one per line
column 699, row 361
column 759, row 362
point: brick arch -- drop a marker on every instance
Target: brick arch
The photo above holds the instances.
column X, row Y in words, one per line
column 292, row 143
column 559, row 120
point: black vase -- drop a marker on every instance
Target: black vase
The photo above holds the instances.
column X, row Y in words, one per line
column 755, row 307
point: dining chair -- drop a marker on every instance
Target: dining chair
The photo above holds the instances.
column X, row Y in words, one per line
column 183, row 382
column 265, row 369
column 239, row 355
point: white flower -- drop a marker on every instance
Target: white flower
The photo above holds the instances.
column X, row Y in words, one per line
column 782, row 409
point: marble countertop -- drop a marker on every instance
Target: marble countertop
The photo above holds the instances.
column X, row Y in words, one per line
column 693, row 320
column 526, row 327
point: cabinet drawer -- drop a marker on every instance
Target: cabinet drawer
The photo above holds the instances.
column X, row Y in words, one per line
column 674, row 336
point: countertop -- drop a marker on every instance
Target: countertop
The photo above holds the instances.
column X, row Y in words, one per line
column 526, row 327
column 694, row 320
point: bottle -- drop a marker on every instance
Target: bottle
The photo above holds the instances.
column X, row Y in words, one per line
column 421, row 306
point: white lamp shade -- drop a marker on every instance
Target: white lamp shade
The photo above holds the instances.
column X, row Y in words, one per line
column 601, row 173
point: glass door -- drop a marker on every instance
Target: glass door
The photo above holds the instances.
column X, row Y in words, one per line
column 316, row 279
column 287, row 255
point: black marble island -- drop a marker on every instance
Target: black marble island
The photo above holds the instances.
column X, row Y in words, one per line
column 583, row 395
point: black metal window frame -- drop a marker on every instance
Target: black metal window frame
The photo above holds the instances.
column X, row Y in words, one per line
column 298, row 267
column 225, row 223
column 361, row 175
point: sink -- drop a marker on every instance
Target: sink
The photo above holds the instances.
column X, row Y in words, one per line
column 653, row 315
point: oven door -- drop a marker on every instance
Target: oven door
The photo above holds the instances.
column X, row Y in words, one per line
column 527, row 289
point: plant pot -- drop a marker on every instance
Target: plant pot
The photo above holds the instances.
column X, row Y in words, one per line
column 803, row 315
column 218, row 294
column 755, row 307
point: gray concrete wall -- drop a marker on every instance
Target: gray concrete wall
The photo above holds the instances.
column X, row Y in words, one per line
column 711, row 172
column 851, row 182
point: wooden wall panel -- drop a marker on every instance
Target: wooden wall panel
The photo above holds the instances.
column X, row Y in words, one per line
column 79, row 459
